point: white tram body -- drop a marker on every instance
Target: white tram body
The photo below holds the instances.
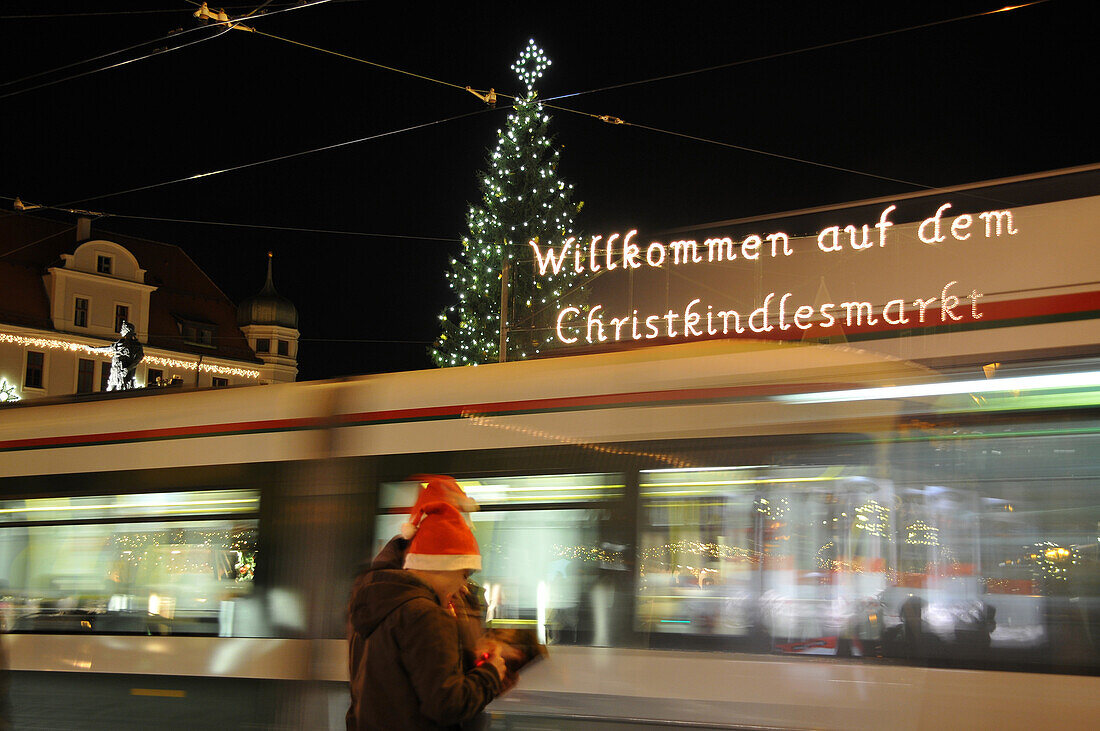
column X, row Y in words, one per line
column 683, row 525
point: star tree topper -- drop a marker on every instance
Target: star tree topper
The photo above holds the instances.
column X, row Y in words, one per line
column 530, row 65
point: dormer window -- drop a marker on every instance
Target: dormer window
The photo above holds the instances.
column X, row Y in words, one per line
column 197, row 333
column 103, row 264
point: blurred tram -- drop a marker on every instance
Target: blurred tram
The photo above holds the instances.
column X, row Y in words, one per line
column 717, row 535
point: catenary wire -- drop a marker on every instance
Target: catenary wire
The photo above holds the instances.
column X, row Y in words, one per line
column 157, row 52
column 266, row 227
column 363, row 61
column 795, row 51
column 558, row 107
column 230, row 224
column 777, row 155
column 161, row 11
column 606, row 118
column 228, row 26
column 158, row 39
column 279, row 158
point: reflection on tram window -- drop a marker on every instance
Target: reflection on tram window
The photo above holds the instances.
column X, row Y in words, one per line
column 543, row 558
column 166, row 563
column 964, row 545
column 759, row 551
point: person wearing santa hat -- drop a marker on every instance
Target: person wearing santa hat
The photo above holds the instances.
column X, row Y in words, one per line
column 407, row 668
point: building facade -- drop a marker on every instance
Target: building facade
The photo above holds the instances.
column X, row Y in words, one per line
column 65, row 291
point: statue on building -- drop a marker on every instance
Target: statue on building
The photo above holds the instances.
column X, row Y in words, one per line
column 126, row 353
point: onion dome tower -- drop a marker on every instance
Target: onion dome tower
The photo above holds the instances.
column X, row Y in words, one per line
column 270, row 322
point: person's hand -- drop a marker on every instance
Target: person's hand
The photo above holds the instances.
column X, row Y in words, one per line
column 497, row 661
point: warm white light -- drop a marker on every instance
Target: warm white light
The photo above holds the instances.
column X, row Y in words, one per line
column 1087, row 379
column 74, row 347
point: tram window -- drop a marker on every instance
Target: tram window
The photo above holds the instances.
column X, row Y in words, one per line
column 543, row 555
column 758, row 551
column 162, row 563
column 998, row 541
column 970, row 545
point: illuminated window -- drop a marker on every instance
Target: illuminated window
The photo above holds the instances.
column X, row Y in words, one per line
column 122, row 312
column 161, row 563
column 103, row 264
column 542, row 549
column 154, row 377
column 35, row 366
column 85, row 375
column 263, row 345
column 80, row 313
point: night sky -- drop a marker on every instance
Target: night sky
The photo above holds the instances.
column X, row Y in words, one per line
column 963, row 101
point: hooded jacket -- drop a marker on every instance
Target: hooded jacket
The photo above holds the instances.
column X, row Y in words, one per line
column 406, row 658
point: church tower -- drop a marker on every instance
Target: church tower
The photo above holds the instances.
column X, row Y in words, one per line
column 270, row 322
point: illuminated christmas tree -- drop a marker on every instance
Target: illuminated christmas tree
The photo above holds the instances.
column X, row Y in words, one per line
column 522, row 199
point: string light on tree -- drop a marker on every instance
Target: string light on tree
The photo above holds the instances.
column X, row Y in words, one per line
column 522, row 199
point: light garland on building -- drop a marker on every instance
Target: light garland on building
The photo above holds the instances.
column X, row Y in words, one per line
column 522, row 200
column 75, row 347
column 204, row 367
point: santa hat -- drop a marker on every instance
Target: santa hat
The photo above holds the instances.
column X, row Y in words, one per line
column 443, row 542
column 435, row 488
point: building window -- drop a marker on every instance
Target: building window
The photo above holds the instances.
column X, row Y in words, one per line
column 284, row 347
column 85, row 375
column 104, row 374
column 35, row 365
column 80, row 313
column 219, row 382
column 197, row 333
column 103, row 264
column 154, row 377
column 122, row 312
column 263, row 345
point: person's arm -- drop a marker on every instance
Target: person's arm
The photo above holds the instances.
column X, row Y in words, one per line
column 428, row 638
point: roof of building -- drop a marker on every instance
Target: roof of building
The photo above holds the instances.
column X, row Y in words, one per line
column 30, row 245
column 268, row 307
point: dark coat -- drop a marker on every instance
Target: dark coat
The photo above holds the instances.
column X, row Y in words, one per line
column 406, row 658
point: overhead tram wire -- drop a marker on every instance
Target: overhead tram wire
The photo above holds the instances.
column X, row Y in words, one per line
column 158, row 39
column 229, row 25
column 161, row 11
column 795, row 51
column 615, row 120
column 100, row 215
column 278, row 158
column 267, row 227
column 157, row 52
column 603, row 118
